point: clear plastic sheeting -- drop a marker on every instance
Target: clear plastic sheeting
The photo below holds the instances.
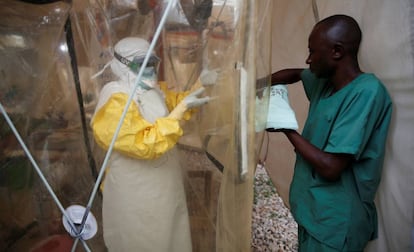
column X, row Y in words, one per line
column 54, row 65
column 39, row 96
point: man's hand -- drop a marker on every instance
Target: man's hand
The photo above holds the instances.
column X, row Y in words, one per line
column 278, row 130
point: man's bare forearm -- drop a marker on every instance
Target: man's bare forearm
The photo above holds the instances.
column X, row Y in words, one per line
column 286, row 76
column 327, row 165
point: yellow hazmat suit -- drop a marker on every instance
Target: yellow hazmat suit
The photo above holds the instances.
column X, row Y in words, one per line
column 144, row 202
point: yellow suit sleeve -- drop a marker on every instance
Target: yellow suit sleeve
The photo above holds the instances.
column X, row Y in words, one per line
column 137, row 137
column 173, row 98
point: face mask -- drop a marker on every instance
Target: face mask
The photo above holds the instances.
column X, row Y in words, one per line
column 148, row 81
column 149, row 78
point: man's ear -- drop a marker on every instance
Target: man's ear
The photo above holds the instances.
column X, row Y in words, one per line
column 338, row 51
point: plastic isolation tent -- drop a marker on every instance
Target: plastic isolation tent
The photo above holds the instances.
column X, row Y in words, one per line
column 49, row 161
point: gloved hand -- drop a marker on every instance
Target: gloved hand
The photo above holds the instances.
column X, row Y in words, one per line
column 190, row 101
column 280, row 114
column 206, row 78
column 209, row 77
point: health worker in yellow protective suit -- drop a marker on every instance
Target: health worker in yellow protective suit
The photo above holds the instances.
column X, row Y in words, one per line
column 144, row 203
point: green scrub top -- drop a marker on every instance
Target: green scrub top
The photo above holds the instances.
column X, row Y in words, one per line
column 353, row 120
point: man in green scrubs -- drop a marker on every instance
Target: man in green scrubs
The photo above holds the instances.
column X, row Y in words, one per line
column 341, row 150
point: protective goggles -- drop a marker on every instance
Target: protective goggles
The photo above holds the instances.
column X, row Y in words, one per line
column 137, row 61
